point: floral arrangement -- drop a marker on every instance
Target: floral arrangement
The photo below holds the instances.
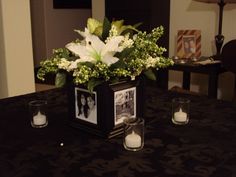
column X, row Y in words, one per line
column 107, row 52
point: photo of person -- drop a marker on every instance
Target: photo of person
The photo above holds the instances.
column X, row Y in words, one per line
column 92, row 111
column 192, row 45
column 82, row 106
column 85, row 105
column 189, row 44
column 125, row 104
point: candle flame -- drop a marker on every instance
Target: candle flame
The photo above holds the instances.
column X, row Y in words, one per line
column 39, row 113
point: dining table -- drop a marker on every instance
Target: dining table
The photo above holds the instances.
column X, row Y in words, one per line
column 204, row 147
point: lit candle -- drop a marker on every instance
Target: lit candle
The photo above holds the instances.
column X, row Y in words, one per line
column 39, row 119
column 180, row 116
column 133, row 140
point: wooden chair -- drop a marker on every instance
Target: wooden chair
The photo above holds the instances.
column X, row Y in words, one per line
column 228, row 58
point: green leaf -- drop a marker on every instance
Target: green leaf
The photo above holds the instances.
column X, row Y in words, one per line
column 106, row 28
column 149, row 74
column 88, row 64
column 72, row 58
column 119, row 64
column 126, row 29
column 60, row 79
column 124, row 53
column 93, row 83
column 137, row 25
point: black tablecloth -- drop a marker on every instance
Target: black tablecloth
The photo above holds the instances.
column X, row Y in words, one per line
column 205, row 147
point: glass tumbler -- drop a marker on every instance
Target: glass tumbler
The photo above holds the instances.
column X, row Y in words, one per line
column 133, row 139
column 180, row 111
column 37, row 109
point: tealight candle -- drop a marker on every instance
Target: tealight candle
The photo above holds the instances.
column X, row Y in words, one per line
column 133, row 140
column 180, row 111
column 133, row 134
column 39, row 119
column 38, row 112
column 180, row 116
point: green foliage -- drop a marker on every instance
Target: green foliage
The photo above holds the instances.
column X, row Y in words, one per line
column 93, row 83
column 131, row 53
column 106, row 28
column 124, row 53
column 149, row 74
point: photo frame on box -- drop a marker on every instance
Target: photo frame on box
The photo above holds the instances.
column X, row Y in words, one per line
column 111, row 104
column 189, row 44
column 124, row 104
column 86, row 105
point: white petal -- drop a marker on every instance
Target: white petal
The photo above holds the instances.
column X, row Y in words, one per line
column 109, row 59
column 113, row 45
column 95, row 43
column 87, row 59
column 84, row 52
column 78, row 49
column 84, row 33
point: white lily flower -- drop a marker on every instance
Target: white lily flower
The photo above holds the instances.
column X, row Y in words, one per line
column 96, row 50
column 84, row 33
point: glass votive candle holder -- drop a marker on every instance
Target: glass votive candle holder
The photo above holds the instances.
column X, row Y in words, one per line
column 133, row 139
column 180, row 111
column 37, row 110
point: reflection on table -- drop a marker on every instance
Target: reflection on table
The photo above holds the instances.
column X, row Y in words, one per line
column 205, row 147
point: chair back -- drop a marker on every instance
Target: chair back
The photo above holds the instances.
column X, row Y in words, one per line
column 228, row 56
column 228, row 59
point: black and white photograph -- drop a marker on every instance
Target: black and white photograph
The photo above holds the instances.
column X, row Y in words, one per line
column 124, row 104
column 85, row 105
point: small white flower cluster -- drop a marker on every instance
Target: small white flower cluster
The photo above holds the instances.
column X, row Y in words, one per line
column 83, row 71
column 73, row 65
column 67, row 65
column 63, row 64
column 127, row 42
column 151, row 62
column 112, row 32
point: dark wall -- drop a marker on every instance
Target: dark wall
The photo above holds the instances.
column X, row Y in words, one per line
column 151, row 13
column 72, row 4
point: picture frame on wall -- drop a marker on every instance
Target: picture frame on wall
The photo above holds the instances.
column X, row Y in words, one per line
column 189, row 44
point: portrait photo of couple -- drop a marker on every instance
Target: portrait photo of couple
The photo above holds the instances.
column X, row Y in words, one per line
column 85, row 105
column 189, row 44
column 125, row 104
